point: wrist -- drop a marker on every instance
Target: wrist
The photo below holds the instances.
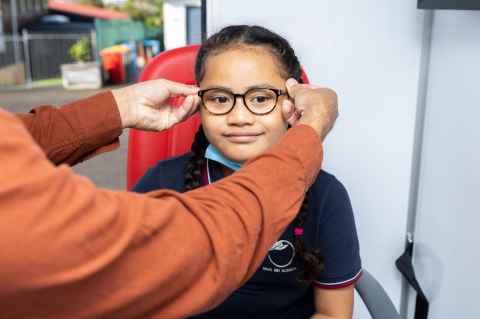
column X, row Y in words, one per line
column 123, row 99
column 319, row 130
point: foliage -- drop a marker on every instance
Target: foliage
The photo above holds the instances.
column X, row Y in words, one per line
column 81, row 50
column 96, row 3
column 149, row 12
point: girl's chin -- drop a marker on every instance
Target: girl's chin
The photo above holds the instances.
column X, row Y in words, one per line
column 241, row 152
column 243, row 156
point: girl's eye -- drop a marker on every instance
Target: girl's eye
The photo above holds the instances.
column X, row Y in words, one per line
column 260, row 99
column 218, row 99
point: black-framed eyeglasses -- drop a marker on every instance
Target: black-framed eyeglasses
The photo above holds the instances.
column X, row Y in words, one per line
column 259, row 101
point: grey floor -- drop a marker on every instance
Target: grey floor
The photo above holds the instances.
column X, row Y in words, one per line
column 107, row 170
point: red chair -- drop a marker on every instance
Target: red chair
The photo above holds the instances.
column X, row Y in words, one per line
column 147, row 148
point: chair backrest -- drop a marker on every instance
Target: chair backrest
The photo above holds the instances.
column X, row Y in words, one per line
column 146, row 148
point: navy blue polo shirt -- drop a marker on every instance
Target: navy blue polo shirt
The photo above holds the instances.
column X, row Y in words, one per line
column 274, row 290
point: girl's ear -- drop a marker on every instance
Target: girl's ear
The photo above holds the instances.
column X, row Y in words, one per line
column 288, row 112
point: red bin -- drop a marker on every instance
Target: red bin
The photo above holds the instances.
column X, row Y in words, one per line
column 113, row 61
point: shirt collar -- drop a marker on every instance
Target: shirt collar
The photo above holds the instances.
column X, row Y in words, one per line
column 212, row 172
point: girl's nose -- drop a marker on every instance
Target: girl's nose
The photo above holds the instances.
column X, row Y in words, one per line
column 240, row 115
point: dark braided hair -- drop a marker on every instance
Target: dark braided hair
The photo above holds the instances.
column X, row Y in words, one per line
column 193, row 169
column 243, row 35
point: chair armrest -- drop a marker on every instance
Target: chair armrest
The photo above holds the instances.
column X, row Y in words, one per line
column 375, row 298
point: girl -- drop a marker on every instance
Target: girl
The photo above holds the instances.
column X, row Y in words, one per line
column 311, row 270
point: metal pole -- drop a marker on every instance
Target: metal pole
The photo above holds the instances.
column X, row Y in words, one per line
column 93, row 40
column 204, row 20
column 406, row 298
column 16, row 44
column 26, row 49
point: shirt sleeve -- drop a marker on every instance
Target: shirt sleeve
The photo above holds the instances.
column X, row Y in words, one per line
column 71, row 250
column 337, row 240
column 76, row 131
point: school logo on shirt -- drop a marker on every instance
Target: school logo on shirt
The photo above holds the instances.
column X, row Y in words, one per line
column 280, row 256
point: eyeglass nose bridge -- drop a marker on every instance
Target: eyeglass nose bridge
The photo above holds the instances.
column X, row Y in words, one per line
column 240, row 113
column 242, row 96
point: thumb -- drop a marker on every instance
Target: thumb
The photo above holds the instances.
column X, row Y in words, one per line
column 290, row 84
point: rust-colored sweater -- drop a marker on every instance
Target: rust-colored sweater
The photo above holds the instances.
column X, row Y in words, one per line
column 71, row 250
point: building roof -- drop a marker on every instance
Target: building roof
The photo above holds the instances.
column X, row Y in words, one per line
column 86, row 10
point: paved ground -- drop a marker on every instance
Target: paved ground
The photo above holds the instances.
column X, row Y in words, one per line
column 107, row 170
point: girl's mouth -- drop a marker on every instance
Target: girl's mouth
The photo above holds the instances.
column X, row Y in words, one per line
column 242, row 137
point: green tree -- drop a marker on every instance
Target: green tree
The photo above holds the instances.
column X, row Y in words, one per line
column 96, row 3
column 149, row 12
column 81, row 50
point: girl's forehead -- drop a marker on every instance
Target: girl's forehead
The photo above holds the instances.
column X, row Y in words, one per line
column 243, row 64
column 243, row 47
column 231, row 54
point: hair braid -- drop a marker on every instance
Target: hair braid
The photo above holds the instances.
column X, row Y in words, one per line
column 312, row 261
column 193, row 169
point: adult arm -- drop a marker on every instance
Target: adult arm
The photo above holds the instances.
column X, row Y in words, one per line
column 91, row 126
column 76, row 131
column 71, row 250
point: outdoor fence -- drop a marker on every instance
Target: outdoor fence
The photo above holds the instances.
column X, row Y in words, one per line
column 39, row 55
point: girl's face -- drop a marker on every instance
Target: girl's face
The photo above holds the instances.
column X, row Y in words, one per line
column 240, row 134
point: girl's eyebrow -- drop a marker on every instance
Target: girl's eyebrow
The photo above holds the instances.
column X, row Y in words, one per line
column 261, row 86
column 217, row 87
column 256, row 86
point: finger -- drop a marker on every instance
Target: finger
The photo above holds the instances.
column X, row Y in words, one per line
column 290, row 85
column 184, row 110
column 193, row 107
column 196, row 105
column 175, row 88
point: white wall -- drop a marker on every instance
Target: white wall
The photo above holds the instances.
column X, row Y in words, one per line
column 446, row 254
column 369, row 51
column 175, row 22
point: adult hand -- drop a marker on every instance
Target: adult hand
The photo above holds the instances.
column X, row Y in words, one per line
column 311, row 105
column 144, row 105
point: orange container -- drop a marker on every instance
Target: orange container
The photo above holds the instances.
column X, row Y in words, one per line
column 113, row 62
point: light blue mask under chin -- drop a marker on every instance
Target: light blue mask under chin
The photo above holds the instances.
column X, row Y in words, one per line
column 212, row 153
